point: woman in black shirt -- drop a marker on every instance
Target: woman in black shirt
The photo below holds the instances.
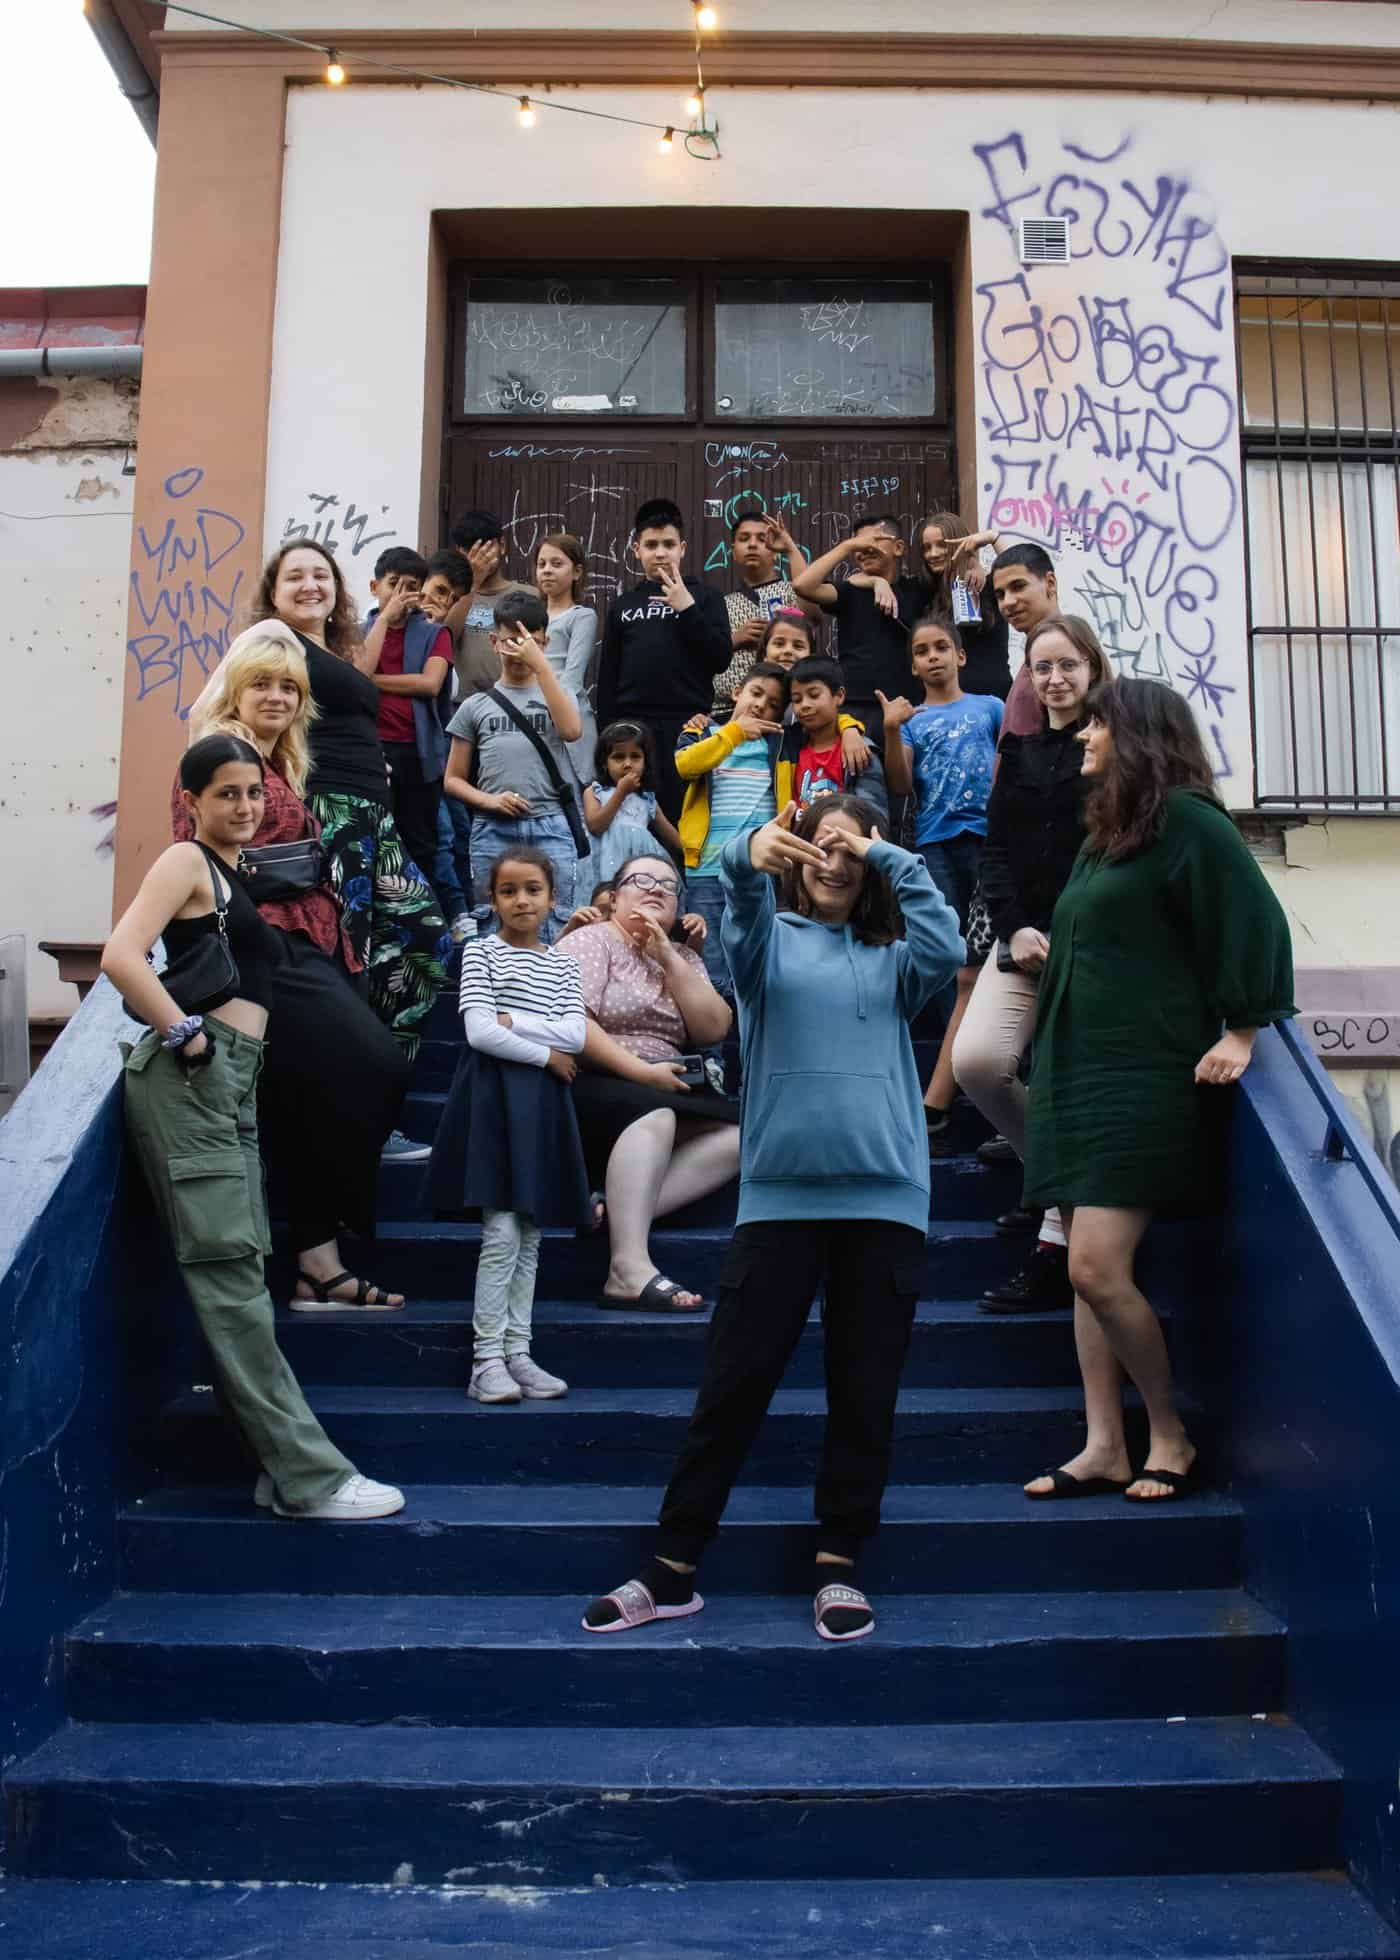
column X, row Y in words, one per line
column 391, row 915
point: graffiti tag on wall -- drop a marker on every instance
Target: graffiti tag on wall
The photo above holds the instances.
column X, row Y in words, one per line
column 1108, row 409
column 184, row 593
column 332, row 524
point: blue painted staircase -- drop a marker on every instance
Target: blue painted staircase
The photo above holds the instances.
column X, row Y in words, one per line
column 1066, row 1739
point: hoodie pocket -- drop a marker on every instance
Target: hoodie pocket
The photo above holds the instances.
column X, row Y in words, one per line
column 827, row 1124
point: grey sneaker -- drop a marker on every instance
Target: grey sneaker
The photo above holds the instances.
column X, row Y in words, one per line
column 403, row 1150
column 492, row 1382
column 357, row 1497
column 263, row 1491
column 535, row 1384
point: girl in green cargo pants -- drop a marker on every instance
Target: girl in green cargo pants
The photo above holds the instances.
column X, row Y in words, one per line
column 191, row 1112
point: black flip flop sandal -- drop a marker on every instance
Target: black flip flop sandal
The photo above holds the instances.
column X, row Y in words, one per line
column 657, row 1296
column 1064, row 1487
column 1181, row 1483
column 321, row 1301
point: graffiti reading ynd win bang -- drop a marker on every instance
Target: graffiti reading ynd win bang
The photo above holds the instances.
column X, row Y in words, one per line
column 184, row 593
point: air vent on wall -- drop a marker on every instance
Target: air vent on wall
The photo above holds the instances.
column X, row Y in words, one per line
column 1043, row 241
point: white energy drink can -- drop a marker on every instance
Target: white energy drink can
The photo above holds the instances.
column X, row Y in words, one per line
column 966, row 611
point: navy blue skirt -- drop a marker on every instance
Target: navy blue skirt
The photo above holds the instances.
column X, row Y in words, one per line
column 509, row 1141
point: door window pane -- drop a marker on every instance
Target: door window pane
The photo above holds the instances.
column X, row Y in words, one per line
column 824, row 348
column 600, row 347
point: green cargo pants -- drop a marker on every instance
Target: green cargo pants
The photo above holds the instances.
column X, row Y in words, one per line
column 197, row 1138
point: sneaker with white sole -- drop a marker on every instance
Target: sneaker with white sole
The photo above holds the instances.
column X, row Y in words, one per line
column 404, row 1150
column 462, row 928
column 536, row 1385
column 492, row 1381
column 357, row 1497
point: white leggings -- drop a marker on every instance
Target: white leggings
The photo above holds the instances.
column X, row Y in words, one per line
column 505, row 1285
column 988, row 1051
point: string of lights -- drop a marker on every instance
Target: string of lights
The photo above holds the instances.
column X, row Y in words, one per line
column 701, row 139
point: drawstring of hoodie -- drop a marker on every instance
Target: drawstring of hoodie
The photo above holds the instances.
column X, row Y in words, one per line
column 854, row 964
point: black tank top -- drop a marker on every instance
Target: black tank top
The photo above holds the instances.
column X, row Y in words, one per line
column 249, row 937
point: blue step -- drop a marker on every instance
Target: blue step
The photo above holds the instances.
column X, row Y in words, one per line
column 598, row 1435
column 437, row 1261
column 430, row 1345
column 513, row 1660
column 580, row 1539
column 571, row 1806
column 1241, row 1916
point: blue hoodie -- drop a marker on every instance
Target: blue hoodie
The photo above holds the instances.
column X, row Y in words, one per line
column 831, row 1113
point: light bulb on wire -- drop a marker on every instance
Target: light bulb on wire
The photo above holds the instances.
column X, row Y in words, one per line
column 527, row 113
column 335, row 74
column 705, row 16
column 695, row 101
column 667, row 142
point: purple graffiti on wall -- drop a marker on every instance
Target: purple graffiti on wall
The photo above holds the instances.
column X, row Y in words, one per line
column 184, row 593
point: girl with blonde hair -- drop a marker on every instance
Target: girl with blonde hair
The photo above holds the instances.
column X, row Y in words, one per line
column 325, row 1050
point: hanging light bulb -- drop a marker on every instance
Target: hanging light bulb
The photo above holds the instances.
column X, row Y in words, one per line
column 695, row 101
column 527, row 113
column 705, row 16
column 666, row 142
column 335, row 74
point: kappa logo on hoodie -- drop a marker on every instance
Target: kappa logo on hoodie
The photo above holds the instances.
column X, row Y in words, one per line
column 653, row 609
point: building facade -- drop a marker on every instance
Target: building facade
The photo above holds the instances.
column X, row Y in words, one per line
column 1130, row 290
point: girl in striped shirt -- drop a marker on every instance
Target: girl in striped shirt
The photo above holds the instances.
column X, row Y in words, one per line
column 508, row 1145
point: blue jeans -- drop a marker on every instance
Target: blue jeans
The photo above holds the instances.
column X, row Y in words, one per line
column 452, row 861
column 706, row 896
column 953, row 864
column 492, row 838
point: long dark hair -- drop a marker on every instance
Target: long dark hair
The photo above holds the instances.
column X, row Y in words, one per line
column 342, row 627
column 1156, row 748
column 612, row 737
column 876, row 919
column 203, row 760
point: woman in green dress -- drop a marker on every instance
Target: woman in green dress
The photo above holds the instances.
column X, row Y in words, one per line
column 1168, row 953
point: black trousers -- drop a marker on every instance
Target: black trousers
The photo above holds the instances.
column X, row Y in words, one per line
column 415, row 804
column 872, row 1272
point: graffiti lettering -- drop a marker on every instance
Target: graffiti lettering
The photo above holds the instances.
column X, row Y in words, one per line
column 320, row 527
column 184, row 593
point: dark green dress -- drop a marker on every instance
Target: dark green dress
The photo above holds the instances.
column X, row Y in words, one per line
column 1151, row 959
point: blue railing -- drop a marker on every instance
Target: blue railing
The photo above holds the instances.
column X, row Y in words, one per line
column 1344, row 1141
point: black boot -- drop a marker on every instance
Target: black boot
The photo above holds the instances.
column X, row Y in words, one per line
column 1041, row 1286
column 1019, row 1222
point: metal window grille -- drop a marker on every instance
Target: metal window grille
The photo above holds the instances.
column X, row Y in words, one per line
column 1319, row 350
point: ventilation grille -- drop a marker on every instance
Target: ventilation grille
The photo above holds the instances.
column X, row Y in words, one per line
column 1043, row 241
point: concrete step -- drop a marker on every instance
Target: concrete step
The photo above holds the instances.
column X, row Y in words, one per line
column 1237, row 1916
column 617, row 1806
column 601, row 1435
column 578, row 1539
column 430, row 1345
column 509, row 1660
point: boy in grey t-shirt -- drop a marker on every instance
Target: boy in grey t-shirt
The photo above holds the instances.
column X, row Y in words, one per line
column 512, row 799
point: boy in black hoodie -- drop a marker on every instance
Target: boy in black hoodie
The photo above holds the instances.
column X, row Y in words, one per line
column 663, row 643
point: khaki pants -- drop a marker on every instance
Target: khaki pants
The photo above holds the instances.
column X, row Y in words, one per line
column 197, row 1138
column 988, row 1050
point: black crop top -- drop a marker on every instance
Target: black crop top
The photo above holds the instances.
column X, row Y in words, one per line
column 249, row 937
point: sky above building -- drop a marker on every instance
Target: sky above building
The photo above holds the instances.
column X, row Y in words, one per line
column 76, row 167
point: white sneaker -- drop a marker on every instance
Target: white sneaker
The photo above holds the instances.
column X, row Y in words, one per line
column 535, row 1384
column 357, row 1497
column 492, row 1382
column 463, row 927
column 263, row 1491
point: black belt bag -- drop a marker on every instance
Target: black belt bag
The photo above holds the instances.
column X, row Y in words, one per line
column 568, row 796
column 273, row 871
column 205, row 974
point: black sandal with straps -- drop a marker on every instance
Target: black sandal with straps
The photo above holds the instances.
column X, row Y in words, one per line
column 367, row 1297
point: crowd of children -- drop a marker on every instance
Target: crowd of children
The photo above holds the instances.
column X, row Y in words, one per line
column 713, row 810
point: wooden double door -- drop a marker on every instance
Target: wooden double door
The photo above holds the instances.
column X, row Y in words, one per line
column 590, row 482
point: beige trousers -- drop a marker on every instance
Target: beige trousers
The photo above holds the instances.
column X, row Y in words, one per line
column 988, row 1051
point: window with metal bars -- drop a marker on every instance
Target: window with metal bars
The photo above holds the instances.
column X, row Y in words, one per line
column 1319, row 350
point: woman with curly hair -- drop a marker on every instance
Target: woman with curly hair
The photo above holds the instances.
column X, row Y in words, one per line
column 324, row 1049
column 391, row 915
column 1167, row 953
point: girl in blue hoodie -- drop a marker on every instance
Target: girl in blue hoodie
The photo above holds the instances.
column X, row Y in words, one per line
column 834, row 1186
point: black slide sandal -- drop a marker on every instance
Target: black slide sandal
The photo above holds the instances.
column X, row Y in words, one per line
column 1066, row 1487
column 1180, row 1483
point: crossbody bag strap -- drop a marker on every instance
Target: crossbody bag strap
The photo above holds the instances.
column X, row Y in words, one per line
column 217, row 871
column 532, row 735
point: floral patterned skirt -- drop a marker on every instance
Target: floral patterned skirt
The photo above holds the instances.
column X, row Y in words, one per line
column 390, row 914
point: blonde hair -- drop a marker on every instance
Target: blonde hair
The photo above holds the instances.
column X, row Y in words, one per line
column 265, row 649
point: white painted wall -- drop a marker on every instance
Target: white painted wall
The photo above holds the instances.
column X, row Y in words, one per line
column 65, row 546
column 1148, row 533
column 1356, row 23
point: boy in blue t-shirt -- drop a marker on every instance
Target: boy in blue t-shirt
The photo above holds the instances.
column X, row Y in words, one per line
column 945, row 752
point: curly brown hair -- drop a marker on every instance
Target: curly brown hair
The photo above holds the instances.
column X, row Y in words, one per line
column 1157, row 748
column 876, row 920
column 342, row 627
